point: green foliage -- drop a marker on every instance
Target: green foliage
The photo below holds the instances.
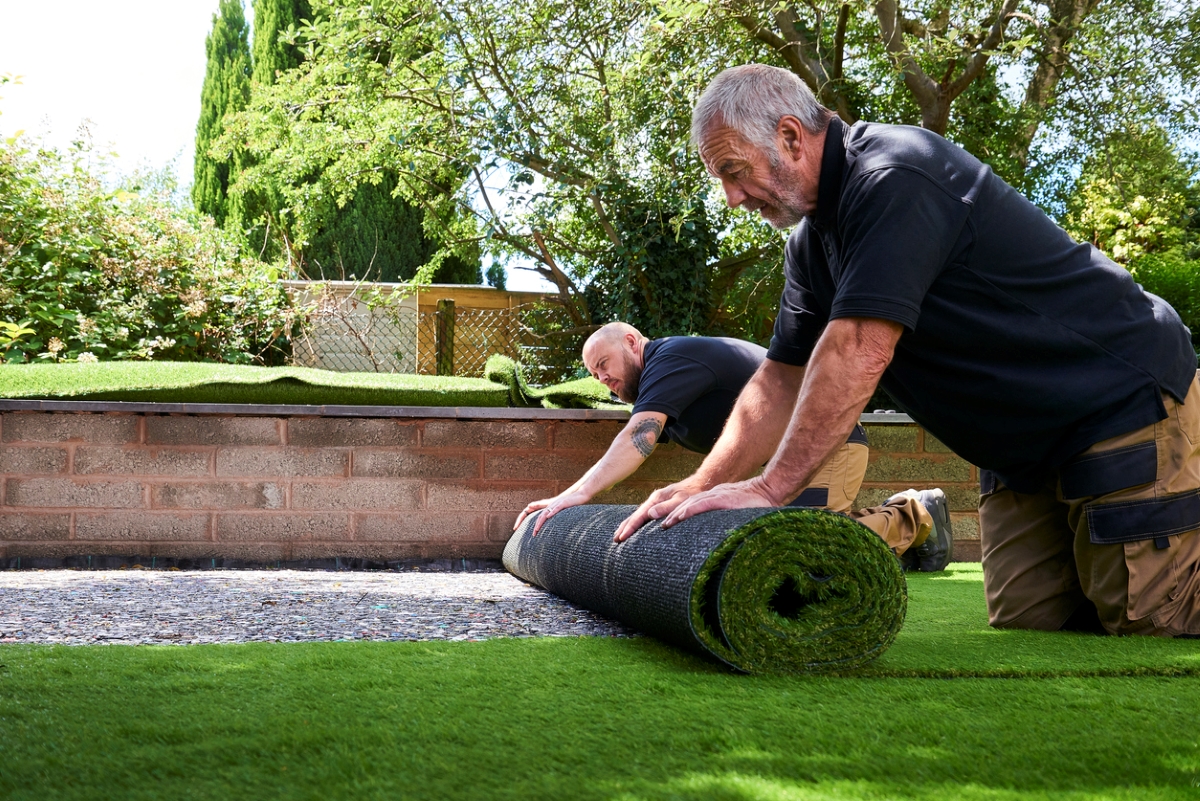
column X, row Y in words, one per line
column 1138, row 200
column 226, row 89
column 275, row 23
column 377, row 236
column 1174, row 277
column 97, row 274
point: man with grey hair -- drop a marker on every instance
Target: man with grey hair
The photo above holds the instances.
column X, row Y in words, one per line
column 914, row 267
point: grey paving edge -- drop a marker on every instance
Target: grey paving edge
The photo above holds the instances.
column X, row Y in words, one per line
column 283, row 410
column 358, row 564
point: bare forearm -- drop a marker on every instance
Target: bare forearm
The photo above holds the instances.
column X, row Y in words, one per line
column 624, row 456
column 844, row 370
column 756, row 425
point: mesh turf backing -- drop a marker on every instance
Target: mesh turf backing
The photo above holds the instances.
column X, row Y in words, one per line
column 763, row 590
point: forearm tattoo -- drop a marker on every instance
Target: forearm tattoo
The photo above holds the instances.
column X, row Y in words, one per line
column 645, row 436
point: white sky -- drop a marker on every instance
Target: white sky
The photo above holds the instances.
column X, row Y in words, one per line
column 131, row 68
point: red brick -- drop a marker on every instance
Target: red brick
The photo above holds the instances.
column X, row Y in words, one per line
column 331, row 432
column 966, row 526
column 138, row 527
column 101, row 429
column 500, row 526
column 669, row 467
column 385, row 551
column 357, row 495
column 917, row 470
column 34, row 526
column 187, row 430
column 140, row 460
column 893, row 438
column 416, row 527
column 413, row 464
column 476, row 434
column 282, row 527
column 628, row 493
column 547, row 465
column 485, row 496
column 35, row 461
column 218, row 495
column 593, row 436
column 934, row 445
column 264, row 462
column 64, row 492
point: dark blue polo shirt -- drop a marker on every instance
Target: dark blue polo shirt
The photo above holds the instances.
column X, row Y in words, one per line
column 1021, row 347
column 695, row 382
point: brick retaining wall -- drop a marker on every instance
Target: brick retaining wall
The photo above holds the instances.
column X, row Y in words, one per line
column 260, row 488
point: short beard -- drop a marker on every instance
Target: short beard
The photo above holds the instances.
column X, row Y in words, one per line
column 787, row 202
column 629, row 386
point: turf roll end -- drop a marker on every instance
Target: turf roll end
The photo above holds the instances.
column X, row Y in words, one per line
column 763, row 590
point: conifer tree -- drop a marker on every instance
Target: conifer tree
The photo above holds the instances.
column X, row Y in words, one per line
column 272, row 56
column 226, row 89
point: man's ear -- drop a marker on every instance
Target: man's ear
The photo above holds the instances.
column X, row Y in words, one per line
column 790, row 134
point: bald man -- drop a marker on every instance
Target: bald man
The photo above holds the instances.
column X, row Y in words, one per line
column 684, row 388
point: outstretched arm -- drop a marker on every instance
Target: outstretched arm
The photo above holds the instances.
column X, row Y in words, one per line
column 625, row 455
column 749, row 439
column 844, row 370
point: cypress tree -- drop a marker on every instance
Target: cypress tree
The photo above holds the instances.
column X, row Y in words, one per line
column 272, row 56
column 379, row 237
column 226, row 89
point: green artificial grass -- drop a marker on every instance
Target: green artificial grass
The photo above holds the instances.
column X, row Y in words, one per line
column 589, row 718
column 582, row 393
column 841, row 603
column 193, row 382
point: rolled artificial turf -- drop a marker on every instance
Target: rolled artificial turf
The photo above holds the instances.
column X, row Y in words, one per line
column 583, row 393
column 194, row 382
column 762, row 590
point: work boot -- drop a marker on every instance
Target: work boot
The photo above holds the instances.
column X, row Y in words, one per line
column 934, row 553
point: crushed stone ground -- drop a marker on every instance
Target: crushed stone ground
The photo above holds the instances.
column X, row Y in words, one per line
column 87, row 607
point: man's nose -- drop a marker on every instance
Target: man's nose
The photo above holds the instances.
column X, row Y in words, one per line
column 734, row 196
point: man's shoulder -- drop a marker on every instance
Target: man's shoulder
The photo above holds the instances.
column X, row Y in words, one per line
column 702, row 349
column 905, row 152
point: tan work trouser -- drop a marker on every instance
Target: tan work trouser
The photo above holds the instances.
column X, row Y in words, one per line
column 902, row 523
column 1119, row 526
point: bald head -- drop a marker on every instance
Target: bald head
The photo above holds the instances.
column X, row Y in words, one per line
column 613, row 354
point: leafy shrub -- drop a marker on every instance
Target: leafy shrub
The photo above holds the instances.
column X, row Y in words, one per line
column 92, row 273
column 1176, row 279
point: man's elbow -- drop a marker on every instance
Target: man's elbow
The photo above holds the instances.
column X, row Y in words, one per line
column 867, row 342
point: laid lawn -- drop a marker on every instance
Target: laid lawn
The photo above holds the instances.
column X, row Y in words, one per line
column 952, row 711
column 192, row 382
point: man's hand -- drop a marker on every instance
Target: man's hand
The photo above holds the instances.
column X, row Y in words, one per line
column 748, row 494
column 552, row 506
column 660, row 503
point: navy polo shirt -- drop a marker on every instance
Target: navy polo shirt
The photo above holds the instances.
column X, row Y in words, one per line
column 1021, row 347
column 695, row 382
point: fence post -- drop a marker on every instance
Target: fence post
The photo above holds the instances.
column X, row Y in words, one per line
column 445, row 337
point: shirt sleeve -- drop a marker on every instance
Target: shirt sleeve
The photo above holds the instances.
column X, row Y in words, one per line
column 671, row 383
column 800, row 318
column 897, row 230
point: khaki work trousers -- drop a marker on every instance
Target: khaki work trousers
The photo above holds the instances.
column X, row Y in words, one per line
column 1117, row 527
column 902, row 523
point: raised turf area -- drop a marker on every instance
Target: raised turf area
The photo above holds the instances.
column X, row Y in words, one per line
column 194, row 382
column 953, row 710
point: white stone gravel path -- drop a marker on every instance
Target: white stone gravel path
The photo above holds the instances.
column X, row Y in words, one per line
column 85, row 607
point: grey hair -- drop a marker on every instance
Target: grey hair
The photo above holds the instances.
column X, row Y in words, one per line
column 751, row 100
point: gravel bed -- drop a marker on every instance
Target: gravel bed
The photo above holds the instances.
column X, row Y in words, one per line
column 85, row 607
